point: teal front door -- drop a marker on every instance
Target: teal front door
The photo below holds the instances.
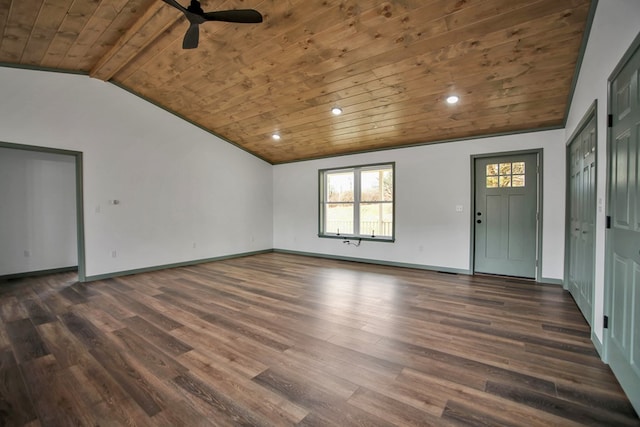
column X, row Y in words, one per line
column 623, row 272
column 505, row 216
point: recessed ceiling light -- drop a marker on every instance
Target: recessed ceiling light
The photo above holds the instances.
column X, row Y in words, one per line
column 453, row 99
column 336, row 111
column 275, row 136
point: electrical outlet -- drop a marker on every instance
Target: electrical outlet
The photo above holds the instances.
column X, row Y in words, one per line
column 459, row 208
column 194, row 245
column 114, row 254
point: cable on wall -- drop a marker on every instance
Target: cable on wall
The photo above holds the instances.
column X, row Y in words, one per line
column 349, row 242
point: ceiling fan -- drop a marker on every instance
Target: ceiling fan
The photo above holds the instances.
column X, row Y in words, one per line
column 197, row 16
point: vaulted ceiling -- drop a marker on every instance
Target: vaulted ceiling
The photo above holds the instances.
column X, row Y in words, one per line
column 388, row 65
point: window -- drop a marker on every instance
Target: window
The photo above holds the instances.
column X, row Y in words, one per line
column 505, row 175
column 357, row 202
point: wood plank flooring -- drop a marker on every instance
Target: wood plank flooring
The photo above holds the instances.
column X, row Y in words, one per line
column 278, row 339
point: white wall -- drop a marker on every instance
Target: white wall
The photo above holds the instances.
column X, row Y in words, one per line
column 616, row 24
column 430, row 181
column 37, row 211
column 177, row 185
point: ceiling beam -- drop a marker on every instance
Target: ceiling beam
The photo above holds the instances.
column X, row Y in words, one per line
column 143, row 32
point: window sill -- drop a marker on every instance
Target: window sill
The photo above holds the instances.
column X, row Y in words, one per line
column 361, row 238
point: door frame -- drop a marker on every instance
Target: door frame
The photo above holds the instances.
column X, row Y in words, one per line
column 591, row 113
column 539, row 154
column 79, row 197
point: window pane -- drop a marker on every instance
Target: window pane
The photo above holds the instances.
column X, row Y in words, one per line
column 492, row 170
column 505, row 169
column 492, row 182
column 518, row 180
column 357, row 202
column 376, row 185
column 376, row 219
column 340, row 187
column 339, row 218
column 505, row 181
column 518, row 168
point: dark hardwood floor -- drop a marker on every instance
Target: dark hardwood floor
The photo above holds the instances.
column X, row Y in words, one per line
column 279, row 339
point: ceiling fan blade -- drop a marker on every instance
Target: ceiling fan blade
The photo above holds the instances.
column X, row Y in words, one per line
column 175, row 4
column 242, row 16
column 190, row 40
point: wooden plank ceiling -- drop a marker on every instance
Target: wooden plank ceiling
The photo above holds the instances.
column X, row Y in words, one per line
column 388, row 65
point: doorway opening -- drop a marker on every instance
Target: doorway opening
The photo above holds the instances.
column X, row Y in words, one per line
column 75, row 159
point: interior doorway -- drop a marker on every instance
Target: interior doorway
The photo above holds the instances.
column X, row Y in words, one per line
column 75, row 161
